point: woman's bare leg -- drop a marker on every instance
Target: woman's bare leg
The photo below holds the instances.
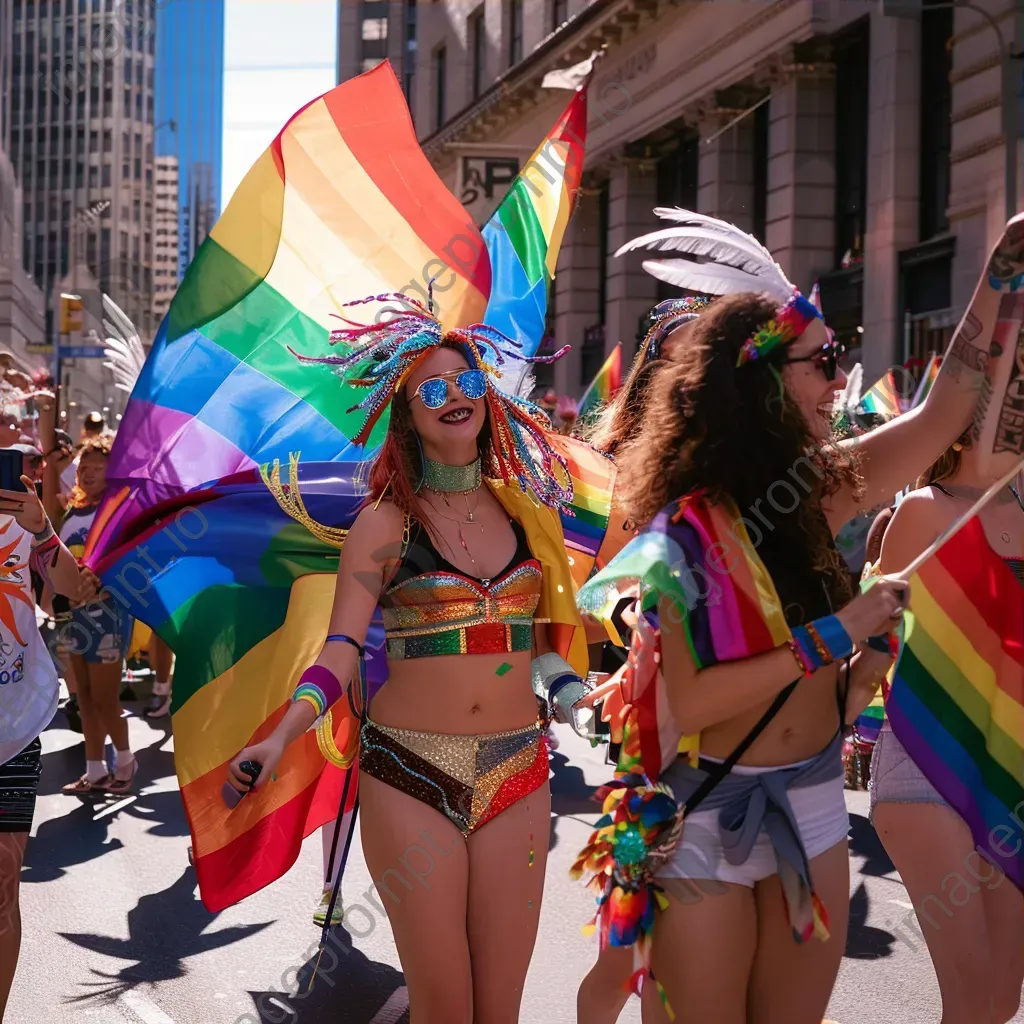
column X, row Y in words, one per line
column 105, row 694
column 791, row 983
column 420, row 867
column 12, row 852
column 602, row 993
column 94, row 730
column 1004, row 919
column 934, row 853
column 505, row 894
column 703, row 953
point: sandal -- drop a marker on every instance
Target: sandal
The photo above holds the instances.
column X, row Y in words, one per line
column 118, row 787
column 84, row 785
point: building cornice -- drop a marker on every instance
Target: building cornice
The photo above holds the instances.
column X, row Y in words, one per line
column 597, row 26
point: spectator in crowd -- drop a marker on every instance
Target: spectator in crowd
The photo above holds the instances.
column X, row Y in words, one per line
column 29, row 697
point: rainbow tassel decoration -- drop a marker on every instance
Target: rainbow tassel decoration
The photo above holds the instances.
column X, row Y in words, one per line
column 639, row 829
column 603, row 387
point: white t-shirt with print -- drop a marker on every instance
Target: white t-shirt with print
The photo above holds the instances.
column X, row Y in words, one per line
column 28, row 679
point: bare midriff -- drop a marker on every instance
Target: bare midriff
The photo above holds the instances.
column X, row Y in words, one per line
column 805, row 725
column 465, row 694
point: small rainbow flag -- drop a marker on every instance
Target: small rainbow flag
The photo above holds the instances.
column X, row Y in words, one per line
column 883, row 402
column 603, row 387
column 869, row 722
column 927, row 380
column 524, row 234
column 957, row 698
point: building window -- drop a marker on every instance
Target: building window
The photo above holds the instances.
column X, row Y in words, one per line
column 559, row 13
column 936, row 65
column 440, row 86
column 375, row 29
column 515, row 31
column 478, row 49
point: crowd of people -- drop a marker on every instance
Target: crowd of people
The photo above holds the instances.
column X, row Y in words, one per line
column 57, row 624
column 752, row 651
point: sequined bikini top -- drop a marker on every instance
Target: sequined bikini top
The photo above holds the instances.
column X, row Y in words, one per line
column 432, row 608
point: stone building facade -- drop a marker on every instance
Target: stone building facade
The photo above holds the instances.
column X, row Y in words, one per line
column 865, row 149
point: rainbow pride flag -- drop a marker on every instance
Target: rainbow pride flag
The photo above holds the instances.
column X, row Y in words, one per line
column 342, row 205
column 523, row 236
column 869, row 722
column 928, row 377
column 701, row 557
column 883, row 402
column 605, row 384
column 957, row 697
column 594, row 532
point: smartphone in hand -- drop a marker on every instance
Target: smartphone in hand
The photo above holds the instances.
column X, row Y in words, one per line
column 11, row 463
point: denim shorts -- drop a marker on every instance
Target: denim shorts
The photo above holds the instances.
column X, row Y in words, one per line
column 100, row 632
column 895, row 778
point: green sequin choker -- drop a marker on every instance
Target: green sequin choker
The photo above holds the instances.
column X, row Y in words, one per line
column 458, row 479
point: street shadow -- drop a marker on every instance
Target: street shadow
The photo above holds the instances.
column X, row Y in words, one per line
column 82, row 834
column 570, row 793
column 347, row 986
column 864, row 942
column 165, row 929
column 864, row 842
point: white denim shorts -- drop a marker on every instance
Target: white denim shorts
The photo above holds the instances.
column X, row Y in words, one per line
column 895, row 778
column 821, row 818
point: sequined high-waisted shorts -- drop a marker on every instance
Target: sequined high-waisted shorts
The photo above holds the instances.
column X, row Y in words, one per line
column 469, row 779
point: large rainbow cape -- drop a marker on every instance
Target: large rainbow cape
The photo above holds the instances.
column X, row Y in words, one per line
column 957, row 696
column 190, row 537
column 697, row 557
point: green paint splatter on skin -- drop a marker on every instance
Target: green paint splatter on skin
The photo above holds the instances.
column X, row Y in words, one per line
column 503, row 668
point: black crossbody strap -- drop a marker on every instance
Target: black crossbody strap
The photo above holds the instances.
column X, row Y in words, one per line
column 714, row 778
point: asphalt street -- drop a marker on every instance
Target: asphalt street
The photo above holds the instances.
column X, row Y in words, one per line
column 115, row 932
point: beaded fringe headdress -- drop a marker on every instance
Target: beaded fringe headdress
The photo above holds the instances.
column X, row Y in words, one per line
column 720, row 259
column 382, row 356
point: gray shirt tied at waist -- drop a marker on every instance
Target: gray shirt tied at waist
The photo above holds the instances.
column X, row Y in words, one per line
column 747, row 803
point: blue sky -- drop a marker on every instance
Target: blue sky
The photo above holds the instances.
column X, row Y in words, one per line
column 278, row 55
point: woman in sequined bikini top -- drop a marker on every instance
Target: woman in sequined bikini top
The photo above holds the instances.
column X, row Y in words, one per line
column 431, row 607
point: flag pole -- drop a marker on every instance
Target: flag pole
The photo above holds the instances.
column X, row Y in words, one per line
column 947, row 534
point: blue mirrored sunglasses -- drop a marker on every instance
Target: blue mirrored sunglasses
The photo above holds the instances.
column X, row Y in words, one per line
column 433, row 392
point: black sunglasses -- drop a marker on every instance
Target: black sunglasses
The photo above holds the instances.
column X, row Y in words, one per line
column 825, row 358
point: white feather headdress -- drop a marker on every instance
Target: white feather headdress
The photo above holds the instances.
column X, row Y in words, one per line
column 124, row 346
column 724, row 258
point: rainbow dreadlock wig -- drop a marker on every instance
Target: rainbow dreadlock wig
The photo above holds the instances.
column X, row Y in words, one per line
column 381, row 357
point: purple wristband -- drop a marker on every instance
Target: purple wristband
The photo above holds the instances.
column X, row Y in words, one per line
column 324, row 680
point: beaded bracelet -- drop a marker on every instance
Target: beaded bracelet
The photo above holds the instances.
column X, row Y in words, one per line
column 820, row 643
column 319, row 687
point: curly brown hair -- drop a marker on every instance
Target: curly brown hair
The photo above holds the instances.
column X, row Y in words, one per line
column 735, row 433
column 620, row 419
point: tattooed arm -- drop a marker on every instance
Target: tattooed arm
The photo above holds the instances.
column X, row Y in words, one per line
column 895, row 454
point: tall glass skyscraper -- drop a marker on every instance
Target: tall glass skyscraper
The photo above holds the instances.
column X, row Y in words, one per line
column 190, row 112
